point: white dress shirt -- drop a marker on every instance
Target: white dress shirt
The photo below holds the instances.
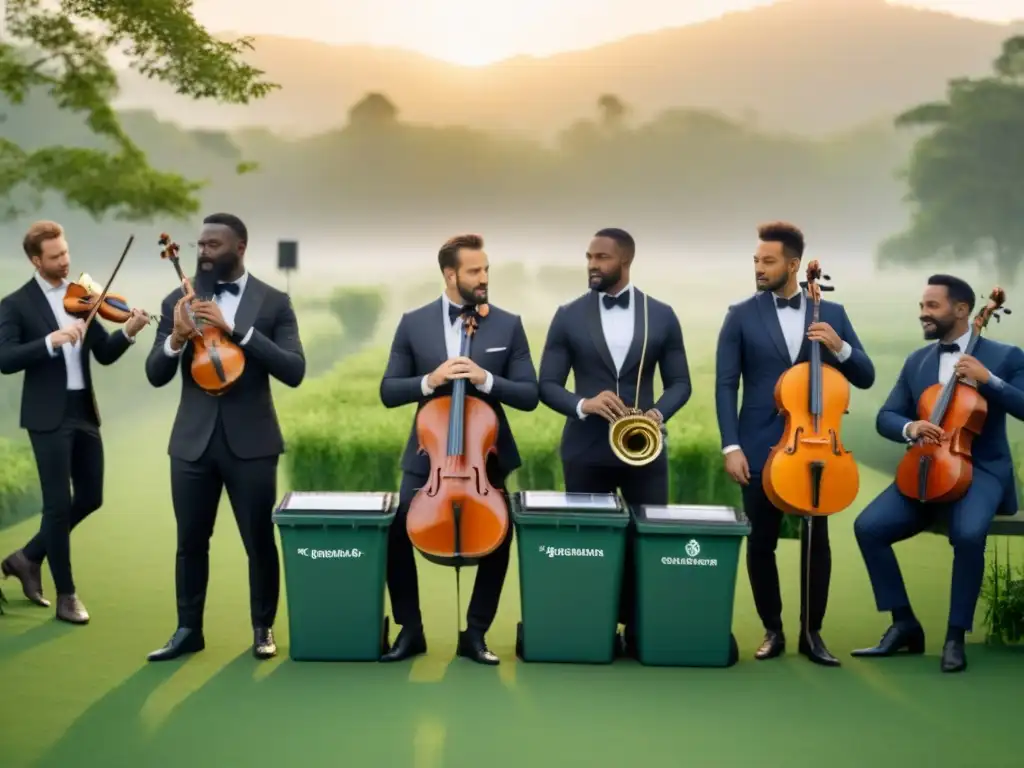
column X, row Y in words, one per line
column 617, row 325
column 72, row 352
column 453, row 344
column 792, row 323
column 228, row 304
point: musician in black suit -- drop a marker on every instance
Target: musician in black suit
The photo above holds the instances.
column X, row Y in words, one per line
column 58, row 409
column 231, row 441
column 424, row 360
column 599, row 337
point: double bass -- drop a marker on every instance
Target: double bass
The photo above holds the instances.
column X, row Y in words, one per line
column 942, row 472
column 458, row 516
column 217, row 362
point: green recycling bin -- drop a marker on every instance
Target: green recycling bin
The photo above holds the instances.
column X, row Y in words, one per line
column 335, row 557
column 571, row 552
column 687, row 558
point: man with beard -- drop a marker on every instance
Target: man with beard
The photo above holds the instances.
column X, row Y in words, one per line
column 997, row 370
column 424, row 361
column 58, row 409
column 761, row 338
column 600, row 338
column 231, row 441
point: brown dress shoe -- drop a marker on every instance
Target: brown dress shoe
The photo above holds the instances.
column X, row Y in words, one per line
column 71, row 610
column 28, row 573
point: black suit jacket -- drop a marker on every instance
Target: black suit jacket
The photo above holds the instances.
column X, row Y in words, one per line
column 576, row 342
column 26, row 319
column 247, row 409
column 499, row 347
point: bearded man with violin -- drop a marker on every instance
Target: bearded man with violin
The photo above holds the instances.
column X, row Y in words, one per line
column 423, row 365
column 229, row 440
column 996, row 371
column 761, row 338
column 58, row 409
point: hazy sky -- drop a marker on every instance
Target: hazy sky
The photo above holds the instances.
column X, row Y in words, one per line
column 481, row 31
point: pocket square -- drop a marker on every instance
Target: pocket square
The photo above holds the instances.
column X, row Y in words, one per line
column 495, row 349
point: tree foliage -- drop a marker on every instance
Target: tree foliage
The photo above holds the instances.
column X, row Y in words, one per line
column 62, row 52
column 964, row 176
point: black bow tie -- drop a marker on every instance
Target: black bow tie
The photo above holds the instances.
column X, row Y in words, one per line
column 792, row 303
column 622, row 300
column 229, row 287
column 457, row 311
column 954, row 347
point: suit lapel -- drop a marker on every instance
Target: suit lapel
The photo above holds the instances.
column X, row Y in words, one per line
column 929, row 368
column 482, row 340
column 250, row 303
column 38, row 299
column 593, row 307
column 770, row 322
column 635, row 349
column 434, row 327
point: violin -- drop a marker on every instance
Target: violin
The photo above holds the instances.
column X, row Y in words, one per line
column 938, row 473
column 809, row 472
column 458, row 517
column 217, row 362
column 83, row 294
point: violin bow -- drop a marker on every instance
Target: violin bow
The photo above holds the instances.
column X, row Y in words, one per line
column 103, row 295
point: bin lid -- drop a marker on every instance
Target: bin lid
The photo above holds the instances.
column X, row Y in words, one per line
column 555, row 501
column 336, row 502
column 690, row 518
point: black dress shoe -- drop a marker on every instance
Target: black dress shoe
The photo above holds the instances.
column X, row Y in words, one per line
column 898, row 637
column 263, row 645
column 409, row 643
column 774, row 644
column 953, row 657
column 472, row 646
column 183, row 641
column 813, row 647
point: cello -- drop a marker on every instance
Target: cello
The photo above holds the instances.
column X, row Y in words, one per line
column 458, row 516
column 217, row 362
column 942, row 472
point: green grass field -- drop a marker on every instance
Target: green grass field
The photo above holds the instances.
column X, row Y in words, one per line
column 85, row 696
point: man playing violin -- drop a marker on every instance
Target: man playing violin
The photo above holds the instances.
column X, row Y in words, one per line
column 761, row 338
column 58, row 410
column 230, row 441
column 423, row 363
column 997, row 370
column 600, row 338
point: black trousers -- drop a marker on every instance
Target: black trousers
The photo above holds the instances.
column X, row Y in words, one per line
column 403, row 583
column 196, row 488
column 70, row 465
column 637, row 486
column 765, row 521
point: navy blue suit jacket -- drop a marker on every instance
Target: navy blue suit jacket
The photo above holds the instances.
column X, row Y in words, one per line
column 576, row 342
column 991, row 449
column 499, row 347
column 752, row 348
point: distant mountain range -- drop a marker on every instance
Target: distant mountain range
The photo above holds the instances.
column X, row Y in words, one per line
column 803, row 66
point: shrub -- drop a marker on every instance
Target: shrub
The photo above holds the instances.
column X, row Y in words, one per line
column 341, row 438
column 358, row 309
column 1003, row 593
column 19, row 483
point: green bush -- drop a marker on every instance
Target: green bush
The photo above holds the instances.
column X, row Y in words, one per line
column 19, row 483
column 341, row 438
column 358, row 309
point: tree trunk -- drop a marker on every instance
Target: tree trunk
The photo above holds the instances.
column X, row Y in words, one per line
column 1007, row 263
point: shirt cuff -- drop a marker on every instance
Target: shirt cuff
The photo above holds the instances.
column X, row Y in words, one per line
column 995, row 382
column 245, row 339
column 904, row 433
column 425, row 388
column 168, row 350
column 49, row 345
column 131, row 339
column 488, row 383
column 729, row 449
column 844, row 352
column 579, row 410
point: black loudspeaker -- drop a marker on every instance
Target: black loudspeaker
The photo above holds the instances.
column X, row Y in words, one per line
column 287, row 254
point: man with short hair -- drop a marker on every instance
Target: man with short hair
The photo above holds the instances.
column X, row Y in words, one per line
column 997, row 370
column 599, row 337
column 58, row 409
column 424, row 361
column 761, row 338
column 229, row 441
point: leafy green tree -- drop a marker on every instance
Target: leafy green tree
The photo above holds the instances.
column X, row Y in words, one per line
column 965, row 176
column 62, row 52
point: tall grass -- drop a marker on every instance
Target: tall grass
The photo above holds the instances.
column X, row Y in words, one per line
column 19, row 483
